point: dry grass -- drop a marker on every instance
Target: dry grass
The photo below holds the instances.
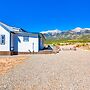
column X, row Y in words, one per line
column 7, row 63
column 86, row 47
column 83, row 46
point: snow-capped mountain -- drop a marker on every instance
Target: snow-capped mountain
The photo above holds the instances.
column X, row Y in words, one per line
column 69, row 34
column 78, row 29
column 52, row 32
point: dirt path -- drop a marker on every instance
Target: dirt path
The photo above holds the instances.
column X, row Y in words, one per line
column 68, row 70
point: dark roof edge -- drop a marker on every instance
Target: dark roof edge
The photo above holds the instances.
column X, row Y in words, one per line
column 5, row 28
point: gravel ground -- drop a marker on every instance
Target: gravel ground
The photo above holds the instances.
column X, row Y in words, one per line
column 8, row 62
column 67, row 70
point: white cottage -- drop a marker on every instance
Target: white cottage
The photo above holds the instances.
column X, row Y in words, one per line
column 18, row 41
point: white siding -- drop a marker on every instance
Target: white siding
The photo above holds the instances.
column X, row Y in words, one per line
column 18, row 44
column 5, row 47
column 28, row 46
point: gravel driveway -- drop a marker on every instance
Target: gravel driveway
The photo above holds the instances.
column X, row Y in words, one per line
column 67, row 70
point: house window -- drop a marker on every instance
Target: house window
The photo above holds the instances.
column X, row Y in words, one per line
column 2, row 39
column 26, row 38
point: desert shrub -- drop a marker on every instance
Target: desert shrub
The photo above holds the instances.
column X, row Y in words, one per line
column 78, row 45
column 58, row 43
column 61, row 44
column 66, row 44
column 83, row 44
column 69, row 43
column 87, row 44
column 54, row 44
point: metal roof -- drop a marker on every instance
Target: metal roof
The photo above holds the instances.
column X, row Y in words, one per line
column 9, row 28
column 20, row 31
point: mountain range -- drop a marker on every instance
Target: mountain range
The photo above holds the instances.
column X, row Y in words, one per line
column 77, row 33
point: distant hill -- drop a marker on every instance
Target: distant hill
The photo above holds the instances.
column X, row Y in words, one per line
column 77, row 33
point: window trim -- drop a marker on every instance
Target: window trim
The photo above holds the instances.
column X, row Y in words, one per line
column 25, row 38
column 2, row 40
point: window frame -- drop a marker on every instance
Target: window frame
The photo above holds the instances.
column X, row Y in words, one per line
column 25, row 38
column 2, row 39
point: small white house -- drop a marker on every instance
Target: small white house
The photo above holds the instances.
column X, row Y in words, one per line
column 18, row 41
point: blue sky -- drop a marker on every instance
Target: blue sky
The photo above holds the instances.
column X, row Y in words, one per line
column 41, row 15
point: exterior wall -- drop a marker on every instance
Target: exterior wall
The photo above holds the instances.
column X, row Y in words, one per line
column 18, row 45
column 28, row 46
column 5, row 47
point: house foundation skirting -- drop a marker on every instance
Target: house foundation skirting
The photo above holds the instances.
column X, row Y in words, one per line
column 17, row 53
column 40, row 52
column 27, row 52
column 8, row 53
column 5, row 52
column 14, row 53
